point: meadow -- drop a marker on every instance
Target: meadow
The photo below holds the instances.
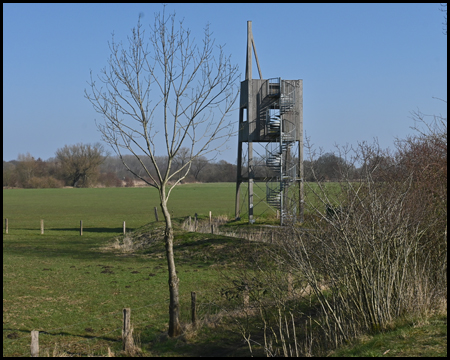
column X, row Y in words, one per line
column 73, row 288
column 104, row 209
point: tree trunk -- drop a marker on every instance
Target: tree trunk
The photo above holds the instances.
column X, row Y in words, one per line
column 174, row 307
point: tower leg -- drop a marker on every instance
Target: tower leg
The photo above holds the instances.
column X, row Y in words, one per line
column 237, row 212
column 251, row 176
column 301, row 201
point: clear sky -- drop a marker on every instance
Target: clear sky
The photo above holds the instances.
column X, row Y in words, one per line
column 365, row 67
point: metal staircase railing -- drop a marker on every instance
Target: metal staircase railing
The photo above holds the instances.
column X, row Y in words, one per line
column 277, row 100
column 274, row 196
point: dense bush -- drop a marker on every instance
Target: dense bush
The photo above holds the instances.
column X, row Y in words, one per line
column 109, row 179
column 44, row 182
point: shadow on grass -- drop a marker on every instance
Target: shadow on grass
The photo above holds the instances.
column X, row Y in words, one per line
column 46, row 246
column 209, row 241
column 217, row 342
column 44, row 343
column 26, row 333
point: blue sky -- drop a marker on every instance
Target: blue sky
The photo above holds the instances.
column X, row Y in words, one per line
column 365, row 67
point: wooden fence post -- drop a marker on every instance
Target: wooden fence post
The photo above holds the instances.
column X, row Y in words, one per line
column 34, row 343
column 210, row 218
column 81, row 227
column 124, row 228
column 127, row 331
column 156, row 213
column 212, row 229
column 6, row 225
column 196, row 222
column 42, row 227
column 194, row 307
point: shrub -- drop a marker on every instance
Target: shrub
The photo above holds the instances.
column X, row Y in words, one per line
column 44, row 182
column 109, row 179
column 129, row 182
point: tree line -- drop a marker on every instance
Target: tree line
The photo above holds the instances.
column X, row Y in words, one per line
column 86, row 165
column 89, row 165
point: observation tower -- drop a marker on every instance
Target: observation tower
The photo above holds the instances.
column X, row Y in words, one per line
column 271, row 114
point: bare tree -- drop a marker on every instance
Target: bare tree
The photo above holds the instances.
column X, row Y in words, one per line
column 328, row 166
column 198, row 165
column 194, row 91
column 9, row 174
column 25, row 168
column 181, row 158
column 80, row 162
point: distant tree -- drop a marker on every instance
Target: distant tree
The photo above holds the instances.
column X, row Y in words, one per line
column 227, row 171
column 198, row 165
column 182, row 157
column 328, row 167
column 41, row 168
column 25, row 169
column 221, row 171
column 308, row 170
column 196, row 94
column 380, row 164
column 79, row 163
column 9, row 174
column 113, row 164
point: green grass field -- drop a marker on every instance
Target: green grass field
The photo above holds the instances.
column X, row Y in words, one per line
column 105, row 209
column 73, row 290
column 65, row 284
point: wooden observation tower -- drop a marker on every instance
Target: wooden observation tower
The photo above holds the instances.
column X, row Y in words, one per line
column 271, row 113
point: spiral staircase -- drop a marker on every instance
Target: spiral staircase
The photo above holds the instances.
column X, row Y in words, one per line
column 281, row 131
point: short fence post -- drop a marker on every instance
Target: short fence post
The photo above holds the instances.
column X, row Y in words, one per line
column 34, row 343
column 127, row 332
column 124, row 228
column 156, row 214
column 212, row 229
column 42, row 227
column 196, row 222
column 210, row 218
column 81, row 227
column 6, row 225
column 194, row 307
